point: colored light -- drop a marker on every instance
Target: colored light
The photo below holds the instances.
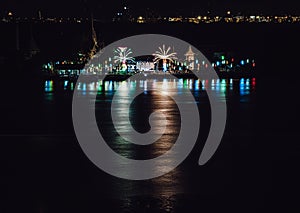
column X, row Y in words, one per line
column 197, row 85
column 253, row 81
column 223, row 85
column 223, row 57
column 203, row 84
column 247, row 82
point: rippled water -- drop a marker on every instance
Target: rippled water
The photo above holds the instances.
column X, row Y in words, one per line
column 58, row 177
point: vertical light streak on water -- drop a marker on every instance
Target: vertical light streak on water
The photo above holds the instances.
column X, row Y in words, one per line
column 197, row 82
column 203, row 83
column 217, row 85
column 223, row 85
column 213, row 84
column 48, row 86
column 66, row 85
column 231, row 84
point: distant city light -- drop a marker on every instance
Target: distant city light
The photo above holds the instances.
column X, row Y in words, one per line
column 199, row 19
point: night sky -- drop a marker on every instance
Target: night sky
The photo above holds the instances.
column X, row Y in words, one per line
column 81, row 8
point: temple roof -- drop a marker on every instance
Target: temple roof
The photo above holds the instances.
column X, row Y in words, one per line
column 190, row 51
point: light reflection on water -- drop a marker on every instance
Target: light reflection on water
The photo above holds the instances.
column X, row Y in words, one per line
column 177, row 181
column 245, row 86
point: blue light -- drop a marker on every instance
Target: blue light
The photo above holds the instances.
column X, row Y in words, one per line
column 203, row 84
column 242, row 81
column 197, row 85
column 218, row 63
column 242, row 62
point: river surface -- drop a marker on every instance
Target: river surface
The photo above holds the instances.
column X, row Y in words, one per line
column 45, row 169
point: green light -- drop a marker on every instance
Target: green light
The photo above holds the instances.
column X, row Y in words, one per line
column 185, row 83
column 223, row 57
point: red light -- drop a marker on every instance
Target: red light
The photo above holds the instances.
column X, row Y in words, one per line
column 254, row 65
column 232, row 60
column 253, row 81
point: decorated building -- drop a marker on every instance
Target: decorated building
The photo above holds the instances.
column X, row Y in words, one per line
column 190, row 59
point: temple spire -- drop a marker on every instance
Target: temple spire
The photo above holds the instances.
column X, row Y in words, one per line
column 94, row 38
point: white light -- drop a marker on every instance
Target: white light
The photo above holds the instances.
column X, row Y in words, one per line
column 123, row 55
column 164, row 54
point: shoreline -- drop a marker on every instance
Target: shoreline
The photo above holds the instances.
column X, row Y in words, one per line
column 119, row 77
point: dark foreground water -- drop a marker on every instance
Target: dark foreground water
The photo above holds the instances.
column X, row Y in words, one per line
column 45, row 169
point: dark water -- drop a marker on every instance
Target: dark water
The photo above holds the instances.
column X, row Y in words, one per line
column 46, row 171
